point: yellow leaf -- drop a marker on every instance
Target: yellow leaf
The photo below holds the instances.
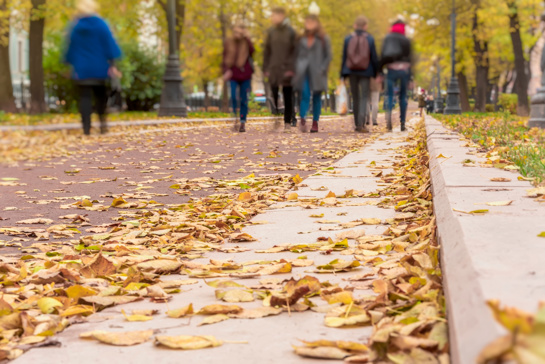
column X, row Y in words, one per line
column 347, row 321
column 500, row 203
column 136, row 317
column 245, row 196
column 213, row 319
column 297, row 179
column 185, row 342
column 119, row 338
column 77, row 291
column 78, row 310
column 330, row 194
column 48, row 304
column 293, row 196
column 181, row 312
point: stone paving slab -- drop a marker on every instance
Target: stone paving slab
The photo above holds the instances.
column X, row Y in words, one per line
column 269, row 340
column 492, row 256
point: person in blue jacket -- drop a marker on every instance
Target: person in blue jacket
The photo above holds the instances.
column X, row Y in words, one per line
column 360, row 76
column 91, row 51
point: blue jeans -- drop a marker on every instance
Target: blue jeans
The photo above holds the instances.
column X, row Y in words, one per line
column 403, row 77
column 316, row 101
column 244, row 89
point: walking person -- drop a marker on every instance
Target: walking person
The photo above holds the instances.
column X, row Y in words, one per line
column 376, row 89
column 311, row 68
column 397, row 59
column 360, row 63
column 238, row 69
column 91, row 51
column 422, row 101
column 279, row 62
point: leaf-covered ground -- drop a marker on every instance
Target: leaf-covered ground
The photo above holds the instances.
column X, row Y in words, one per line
column 102, row 226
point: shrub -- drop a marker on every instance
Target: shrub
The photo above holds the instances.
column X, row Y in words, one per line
column 489, row 107
column 57, row 81
column 142, row 80
column 508, row 103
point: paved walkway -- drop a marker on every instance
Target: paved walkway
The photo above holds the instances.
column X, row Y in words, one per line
column 264, row 340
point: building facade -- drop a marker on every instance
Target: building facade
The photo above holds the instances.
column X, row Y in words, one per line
column 18, row 58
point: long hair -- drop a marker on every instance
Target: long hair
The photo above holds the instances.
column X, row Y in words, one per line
column 320, row 32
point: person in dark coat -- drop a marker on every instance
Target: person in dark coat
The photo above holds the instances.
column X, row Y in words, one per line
column 238, row 69
column 279, row 59
column 311, row 68
column 397, row 58
column 91, row 51
column 360, row 79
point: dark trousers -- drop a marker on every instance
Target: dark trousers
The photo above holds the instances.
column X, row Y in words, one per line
column 403, row 78
column 361, row 93
column 86, row 93
column 287, row 91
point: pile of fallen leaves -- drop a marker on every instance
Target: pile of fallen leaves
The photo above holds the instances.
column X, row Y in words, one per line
column 407, row 311
column 44, row 292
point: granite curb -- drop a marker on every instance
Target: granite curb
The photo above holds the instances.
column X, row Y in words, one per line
column 496, row 255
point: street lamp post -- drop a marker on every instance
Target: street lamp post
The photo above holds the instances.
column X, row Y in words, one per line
column 438, row 107
column 172, row 98
column 537, row 107
column 453, row 92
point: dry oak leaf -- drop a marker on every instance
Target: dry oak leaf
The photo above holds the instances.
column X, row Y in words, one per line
column 99, row 267
column 186, row 342
column 321, row 352
column 500, row 179
column 220, row 309
column 35, row 221
column 235, row 295
column 160, row 266
column 256, row 313
column 119, row 338
column 103, row 302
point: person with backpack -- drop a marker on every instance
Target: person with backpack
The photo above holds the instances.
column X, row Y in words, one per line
column 311, row 68
column 91, row 51
column 278, row 62
column 397, row 59
column 360, row 64
column 238, row 69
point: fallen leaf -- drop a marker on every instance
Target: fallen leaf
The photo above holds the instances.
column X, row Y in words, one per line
column 213, row 319
column 119, row 338
column 185, row 342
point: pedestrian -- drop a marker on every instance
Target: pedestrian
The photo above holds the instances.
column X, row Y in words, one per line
column 279, row 62
column 91, row 51
column 376, row 89
column 422, row 101
column 397, row 59
column 238, row 68
column 360, row 63
column 311, row 68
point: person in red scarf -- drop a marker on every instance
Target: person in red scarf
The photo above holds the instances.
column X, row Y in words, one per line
column 397, row 59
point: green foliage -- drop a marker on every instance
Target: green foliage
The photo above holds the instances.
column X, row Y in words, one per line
column 508, row 103
column 489, row 107
column 3, row 116
column 508, row 136
column 57, row 74
column 142, row 77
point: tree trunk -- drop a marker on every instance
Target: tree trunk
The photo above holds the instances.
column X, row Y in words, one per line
column 206, row 95
column 7, row 101
column 225, row 92
column 36, row 69
column 521, row 87
column 481, row 66
column 464, row 92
